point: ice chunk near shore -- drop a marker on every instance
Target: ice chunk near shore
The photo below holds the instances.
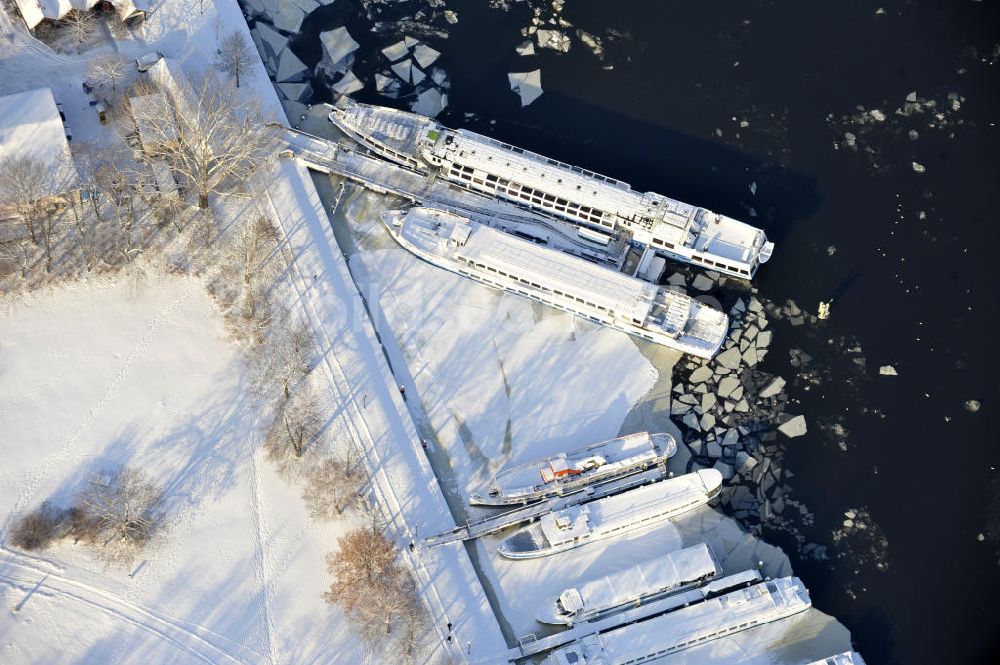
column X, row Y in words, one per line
column 526, row 84
column 382, row 82
column 526, row 48
column 888, row 370
column 776, row 385
column 274, row 42
column 425, row 55
column 430, row 102
column 293, row 91
column 794, row 427
column 396, row 51
column 290, row 67
column 403, row 69
column 288, row 17
column 350, row 83
column 337, row 44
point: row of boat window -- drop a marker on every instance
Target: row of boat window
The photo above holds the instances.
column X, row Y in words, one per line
column 384, row 148
column 530, row 195
column 529, row 295
column 691, row 643
column 651, row 517
column 483, row 266
column 551, row 303
column 720, row 264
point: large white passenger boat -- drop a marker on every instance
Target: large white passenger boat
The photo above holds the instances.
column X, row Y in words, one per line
column 614, row 516
column 558, row 279
column 633, row 586
column 600, row 206
column 572, row 471
column 687, row 627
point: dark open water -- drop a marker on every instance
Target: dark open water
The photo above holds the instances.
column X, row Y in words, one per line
column 918, row 294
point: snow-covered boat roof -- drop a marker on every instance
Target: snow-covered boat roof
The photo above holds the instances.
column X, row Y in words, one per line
column 628, row 508
column 689, row 626
column 665, row 572
column 606, row 288
column 30, row 126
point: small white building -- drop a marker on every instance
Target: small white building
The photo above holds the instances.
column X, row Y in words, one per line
column 35, row 11
column 30, row 126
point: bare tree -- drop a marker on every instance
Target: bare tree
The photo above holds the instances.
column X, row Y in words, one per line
column 115, row 177
column 287, row 355
column 333, row 484
column 209, row 139
column 235, row 56
column 110, row 70
column 81, row 24
column 376, row 592
column 255, row 247
column 36, row 530
column 24, row 184
column 295, row 431
column 127, row 509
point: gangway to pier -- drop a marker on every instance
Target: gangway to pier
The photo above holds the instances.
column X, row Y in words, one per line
column 498, row 522
column 345, row 159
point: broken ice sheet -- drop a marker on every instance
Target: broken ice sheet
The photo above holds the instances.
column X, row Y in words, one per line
column 526, row 84
column 526, row 48
column 395, row 51
column 430, row 102
column 337, row 44
column 350, row 83
column 290, row 67
column 425, row 55
column 403, row 68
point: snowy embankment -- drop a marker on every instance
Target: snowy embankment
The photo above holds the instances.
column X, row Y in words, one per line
column 97, row 375
column 376, row 416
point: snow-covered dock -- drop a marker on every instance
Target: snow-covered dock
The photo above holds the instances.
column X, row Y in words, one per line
column 663, row 574
column 689, row 626
column 573, row 195
column 572, row 471
column 604, row 296
column 612, row 517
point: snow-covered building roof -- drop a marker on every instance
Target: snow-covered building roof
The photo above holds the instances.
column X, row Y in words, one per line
column 169, row 76
column 35, row 11
column 30, row 126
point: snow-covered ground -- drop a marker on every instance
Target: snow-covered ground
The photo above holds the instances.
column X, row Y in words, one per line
column 100, row 374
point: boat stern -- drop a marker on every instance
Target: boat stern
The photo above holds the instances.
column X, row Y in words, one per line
column 711, row 481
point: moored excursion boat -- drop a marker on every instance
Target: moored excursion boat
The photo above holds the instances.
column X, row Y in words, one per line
column 596, row 205
column 669, row 573
column 688, row 627
column 567, row 282
column 572, row 471
column 613, row 516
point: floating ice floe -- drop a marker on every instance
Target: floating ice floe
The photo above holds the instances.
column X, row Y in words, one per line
column 425, row 55
column 410, row 42
column 396, row 51
column 526, row 84
column 403, row 69
column 888, row 370
column 440, row 77
column 288, row 17
column 526, row 48
column 430, row 102
column 776, row 385
column 918, row 167
column 972, row 405
column 450, row 16
column 553, row 39
column 306, row 6
column 350, row 83
column 290, row 67
column 382, row 82
column 293, row 91
column 794, row 427
column 338, row 44
column 274, row 42
column 416, row 75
